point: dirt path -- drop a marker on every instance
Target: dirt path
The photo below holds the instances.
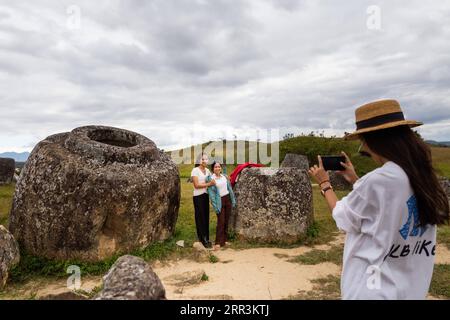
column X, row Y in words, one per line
column 262, row 273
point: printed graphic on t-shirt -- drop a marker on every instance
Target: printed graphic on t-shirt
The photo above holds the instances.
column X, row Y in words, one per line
column 413, row 213
column 410, row 229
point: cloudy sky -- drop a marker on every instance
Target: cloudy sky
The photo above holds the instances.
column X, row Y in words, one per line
column 185, row 71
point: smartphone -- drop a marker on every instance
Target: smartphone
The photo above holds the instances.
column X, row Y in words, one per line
column 333, row 163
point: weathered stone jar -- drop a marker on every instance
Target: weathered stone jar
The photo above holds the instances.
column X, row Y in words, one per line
column 273, row 205
column 93, row 192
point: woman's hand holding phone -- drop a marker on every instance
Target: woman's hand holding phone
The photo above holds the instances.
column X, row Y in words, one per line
column 318, row 172
column 349, row 173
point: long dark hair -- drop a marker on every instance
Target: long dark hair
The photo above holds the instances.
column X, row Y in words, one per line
column 404, row 147
column 198, row 160
column 214, row 164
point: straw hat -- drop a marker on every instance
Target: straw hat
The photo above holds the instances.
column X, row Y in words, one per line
column 379, row 115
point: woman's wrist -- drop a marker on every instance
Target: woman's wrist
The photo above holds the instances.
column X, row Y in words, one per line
column 324, row 184
column 324, row 181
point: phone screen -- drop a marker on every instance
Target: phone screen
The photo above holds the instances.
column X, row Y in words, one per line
column 333, row 163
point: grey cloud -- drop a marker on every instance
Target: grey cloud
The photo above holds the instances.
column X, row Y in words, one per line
column 152, row 66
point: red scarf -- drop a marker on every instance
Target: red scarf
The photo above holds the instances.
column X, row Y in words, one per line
column 234, row 175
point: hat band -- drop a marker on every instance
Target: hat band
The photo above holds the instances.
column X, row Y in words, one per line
column 378, row 120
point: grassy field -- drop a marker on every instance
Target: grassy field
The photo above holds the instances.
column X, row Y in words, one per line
column 441, row 160
column 6, row 193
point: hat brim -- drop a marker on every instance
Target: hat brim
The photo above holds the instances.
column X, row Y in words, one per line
column 410, row 123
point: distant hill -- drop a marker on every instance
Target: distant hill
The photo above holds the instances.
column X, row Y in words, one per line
column 19, row 157
column 438, row 143
column 311, row 146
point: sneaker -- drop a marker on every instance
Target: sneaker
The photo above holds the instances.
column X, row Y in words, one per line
column 207, row 244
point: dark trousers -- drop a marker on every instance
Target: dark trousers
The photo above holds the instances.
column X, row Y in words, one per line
column 201, row 209
column 222, row 221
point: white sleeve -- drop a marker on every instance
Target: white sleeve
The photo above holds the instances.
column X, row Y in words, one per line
column 194, row 172
column 356, row 209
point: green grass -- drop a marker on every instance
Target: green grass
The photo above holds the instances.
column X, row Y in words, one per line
column 440, row 283
column 443, row 235
column 213, row 258
column 315, row 256
column 6, row 195
column 326, row 288
column 205, row 277
column 441, row 160
column 324, row 228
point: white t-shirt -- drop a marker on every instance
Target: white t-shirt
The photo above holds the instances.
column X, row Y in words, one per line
column 385, row 255
column 196, row 172
column 221, row 184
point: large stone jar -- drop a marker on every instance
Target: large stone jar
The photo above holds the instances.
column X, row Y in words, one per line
column 94, row 192
column 274, row 205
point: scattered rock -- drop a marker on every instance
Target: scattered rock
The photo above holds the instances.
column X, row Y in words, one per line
column 199, row 246
column 338, row 182
column 7, row 167
column 9, row 254
column 187, row 278
column 295, row 161
column 180, row 243
column 93, row 192
column 131, row 278
column 273, row 205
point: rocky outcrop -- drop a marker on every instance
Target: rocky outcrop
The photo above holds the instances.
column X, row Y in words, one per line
column 7, row 167
column 295, row 161
column 131, row 278
column 338, row 182
column 93, row 192
column 9, row 254
column 273, row 205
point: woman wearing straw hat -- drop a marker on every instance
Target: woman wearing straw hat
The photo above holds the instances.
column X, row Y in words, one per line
column 390, row 217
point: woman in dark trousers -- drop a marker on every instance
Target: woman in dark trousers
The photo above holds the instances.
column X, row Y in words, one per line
column 201, row 199
column 222, row 199
column 390, row 216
